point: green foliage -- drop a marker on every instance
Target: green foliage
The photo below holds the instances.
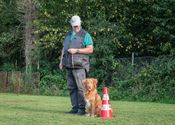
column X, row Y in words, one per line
column 10, row 33
column 155, row 82
column 53, row 85
column 8, row 67
column 122, row 27
column 118, row 28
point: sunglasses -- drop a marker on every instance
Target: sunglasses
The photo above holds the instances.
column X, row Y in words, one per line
column 76, row 26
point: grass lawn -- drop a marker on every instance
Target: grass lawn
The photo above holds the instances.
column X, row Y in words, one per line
column 50, row 110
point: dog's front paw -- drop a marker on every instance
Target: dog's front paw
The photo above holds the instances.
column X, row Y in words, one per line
column 88, row 114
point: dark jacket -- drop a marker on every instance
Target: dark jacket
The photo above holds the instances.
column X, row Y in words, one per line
column 75, row 60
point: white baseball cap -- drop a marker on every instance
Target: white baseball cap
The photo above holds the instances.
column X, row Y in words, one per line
column 75, row 21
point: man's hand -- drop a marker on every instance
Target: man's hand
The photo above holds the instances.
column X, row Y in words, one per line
column 87, row 50
column 61, row 66
column 72, row 51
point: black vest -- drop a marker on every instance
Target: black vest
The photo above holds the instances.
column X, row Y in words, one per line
column 75, row 60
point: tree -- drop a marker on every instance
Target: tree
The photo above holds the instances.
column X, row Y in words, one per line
column 10, row 34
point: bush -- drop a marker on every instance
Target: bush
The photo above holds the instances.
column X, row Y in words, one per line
column 156, row 83
column 8, row 67
column 53, row 84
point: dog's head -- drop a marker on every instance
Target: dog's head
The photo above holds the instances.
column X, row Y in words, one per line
column 90, row 84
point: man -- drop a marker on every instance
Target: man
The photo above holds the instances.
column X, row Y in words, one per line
column 77, row 45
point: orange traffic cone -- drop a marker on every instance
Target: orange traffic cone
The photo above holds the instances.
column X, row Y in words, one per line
column 106, row 110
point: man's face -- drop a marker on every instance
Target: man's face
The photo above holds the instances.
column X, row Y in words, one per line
column 76, row 28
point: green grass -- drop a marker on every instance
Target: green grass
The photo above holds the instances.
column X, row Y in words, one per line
column 50, row 110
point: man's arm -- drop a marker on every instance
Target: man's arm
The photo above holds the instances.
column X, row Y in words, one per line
column 87, row 50
column 61, row 59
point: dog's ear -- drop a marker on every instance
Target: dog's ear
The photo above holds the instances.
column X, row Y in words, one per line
column 95, row 81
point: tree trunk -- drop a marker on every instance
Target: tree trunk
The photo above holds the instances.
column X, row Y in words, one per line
column 29, row 36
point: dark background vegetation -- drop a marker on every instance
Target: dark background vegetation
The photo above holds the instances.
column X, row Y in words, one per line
column 118, row 27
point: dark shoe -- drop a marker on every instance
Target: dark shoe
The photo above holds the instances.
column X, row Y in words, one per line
column 72, row 112
column 81, row 112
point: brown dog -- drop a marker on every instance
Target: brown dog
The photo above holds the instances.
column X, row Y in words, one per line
column 93, row 100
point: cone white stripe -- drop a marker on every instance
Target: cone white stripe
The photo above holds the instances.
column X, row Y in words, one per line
column 105, row 97
column 106, row 107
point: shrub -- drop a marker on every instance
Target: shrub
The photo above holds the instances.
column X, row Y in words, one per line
column 53, row 84
column 155, row 82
